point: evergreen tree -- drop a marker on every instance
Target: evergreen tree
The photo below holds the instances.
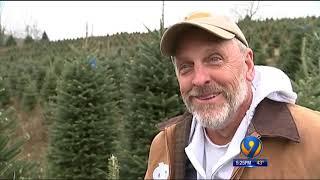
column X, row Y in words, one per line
column 2, row 35
column 58, row 66
column 12, row 82
column 30, row 94
column 275, row 42
column 28, row 40
column 4, row 93
column 44, row 37
column 152, row 95
column 48, row 94
column 18, row 81
column 308, row 77
column 38, row 74
column 269, row 51
column 119, row 68
column 259, row 55
column 10, row 166
column 290, row 55
column 11, row 41
column 82, row 135
column 113, row 167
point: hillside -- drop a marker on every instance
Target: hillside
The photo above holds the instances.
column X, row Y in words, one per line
column 30, row 74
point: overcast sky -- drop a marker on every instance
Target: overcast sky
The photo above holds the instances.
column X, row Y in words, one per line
column 67, row 19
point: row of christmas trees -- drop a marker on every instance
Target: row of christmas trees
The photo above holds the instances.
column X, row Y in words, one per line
column 96, row 106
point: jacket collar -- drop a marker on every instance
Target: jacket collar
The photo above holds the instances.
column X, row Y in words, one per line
column 273, row 119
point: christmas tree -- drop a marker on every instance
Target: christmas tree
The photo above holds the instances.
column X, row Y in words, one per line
column 4, row 93
column 82, row 135
column 308, row 77
column 48, row 94
column 113, row 168
column 290, row 55
column 30, row 94
column 12, row 167
column 152, row 96
column 44, row 37
column 11, row 41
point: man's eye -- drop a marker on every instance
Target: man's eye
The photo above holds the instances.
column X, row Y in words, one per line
column 184, row 68
column 214, row 59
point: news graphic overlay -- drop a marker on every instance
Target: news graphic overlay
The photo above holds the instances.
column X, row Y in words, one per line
column 251, row 147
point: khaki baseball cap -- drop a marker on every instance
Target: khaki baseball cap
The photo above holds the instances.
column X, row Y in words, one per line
column 220, row 26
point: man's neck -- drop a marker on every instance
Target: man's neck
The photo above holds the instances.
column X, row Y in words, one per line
column 225, row 135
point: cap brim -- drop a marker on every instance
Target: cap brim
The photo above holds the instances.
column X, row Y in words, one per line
column 168, row 41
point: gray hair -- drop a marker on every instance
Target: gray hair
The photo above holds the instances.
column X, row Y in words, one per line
column 241, row 46
column 173, row 60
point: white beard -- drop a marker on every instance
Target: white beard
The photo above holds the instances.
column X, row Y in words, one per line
column 221, row 116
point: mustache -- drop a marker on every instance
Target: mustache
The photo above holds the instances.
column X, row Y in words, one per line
column 211, row 88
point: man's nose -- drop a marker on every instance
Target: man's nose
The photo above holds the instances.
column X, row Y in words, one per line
column 201, row 76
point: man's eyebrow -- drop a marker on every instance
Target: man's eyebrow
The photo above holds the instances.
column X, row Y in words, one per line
column 214, row 51
column 211, row 49
column 182, row 59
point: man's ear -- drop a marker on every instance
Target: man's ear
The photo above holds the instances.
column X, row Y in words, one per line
column 250, row 64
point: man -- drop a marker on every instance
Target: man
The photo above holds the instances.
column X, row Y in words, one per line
column 228, row 98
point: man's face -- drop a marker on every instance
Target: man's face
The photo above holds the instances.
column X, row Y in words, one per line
column 213, row 76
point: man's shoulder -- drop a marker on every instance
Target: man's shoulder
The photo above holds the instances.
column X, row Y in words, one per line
column 307, row 122
column 169, row 132
column 307, row 115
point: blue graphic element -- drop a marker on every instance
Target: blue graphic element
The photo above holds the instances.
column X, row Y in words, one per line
column 250, row 162
column 251, row 146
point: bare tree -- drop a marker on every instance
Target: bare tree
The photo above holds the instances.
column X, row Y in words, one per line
column 32, row 29
column 1, row 6
column 91, row 30
column 2, row 29
column 162, row 13
column 86, row 38
column 86, row 29
column 253, row 9
column 36, row 32
column 248, row 12
column 1, row 10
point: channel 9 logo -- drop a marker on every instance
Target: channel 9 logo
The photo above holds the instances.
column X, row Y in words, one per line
column 251, row 147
